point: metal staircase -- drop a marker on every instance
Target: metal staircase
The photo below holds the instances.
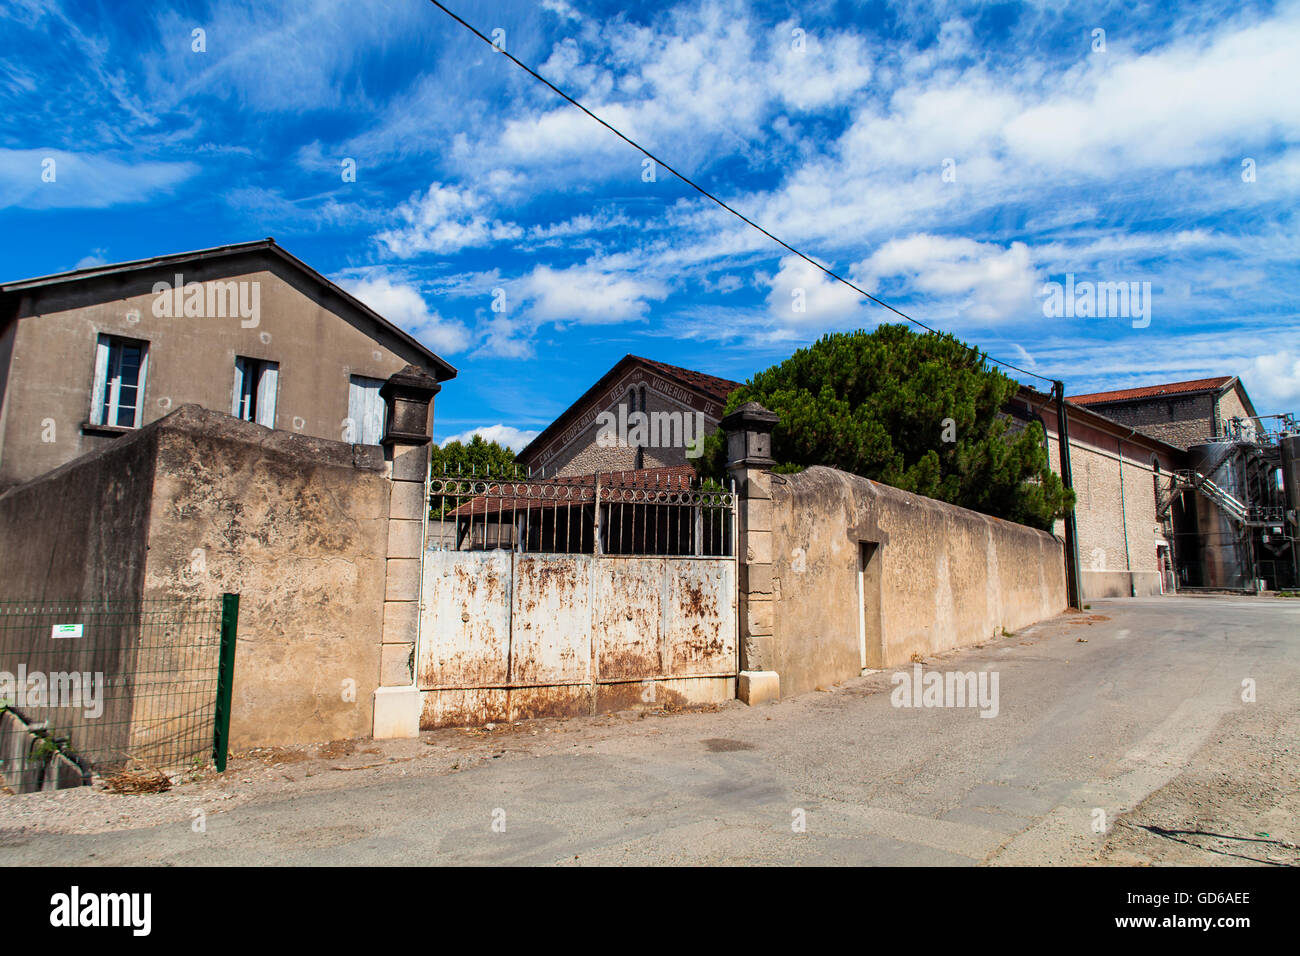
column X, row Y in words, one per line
column 1195, row 480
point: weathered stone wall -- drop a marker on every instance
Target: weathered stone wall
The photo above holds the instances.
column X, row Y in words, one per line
column 1178, row 420
column 198, row 504
column 939, row 576
column 298, row 527
column 78, row 533
column 1230, row 405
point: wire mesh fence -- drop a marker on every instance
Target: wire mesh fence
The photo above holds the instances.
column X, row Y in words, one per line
column 660, row 511
column 104, row 685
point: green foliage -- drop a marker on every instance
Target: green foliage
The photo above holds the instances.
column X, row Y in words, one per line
column 881, row 405
column 478, row 457
column 47, row 745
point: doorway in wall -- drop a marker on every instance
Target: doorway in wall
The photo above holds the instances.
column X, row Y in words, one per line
column 871, row 643
column 1166, row 567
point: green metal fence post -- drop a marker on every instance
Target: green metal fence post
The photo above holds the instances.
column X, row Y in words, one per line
column 225, row 679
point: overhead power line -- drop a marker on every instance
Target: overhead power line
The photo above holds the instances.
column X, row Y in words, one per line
column 708, row 195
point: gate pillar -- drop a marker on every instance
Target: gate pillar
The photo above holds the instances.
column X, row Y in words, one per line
column 408, row 397
column 749, row 462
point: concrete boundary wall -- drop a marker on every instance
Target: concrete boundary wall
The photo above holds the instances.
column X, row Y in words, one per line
column 935, row 576
column 298, row 527
column 200, row 503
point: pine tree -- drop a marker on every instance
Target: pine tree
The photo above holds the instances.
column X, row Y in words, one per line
column 920, row 412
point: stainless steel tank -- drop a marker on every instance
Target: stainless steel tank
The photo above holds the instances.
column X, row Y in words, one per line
column 1290, row 446
column 1225, row 558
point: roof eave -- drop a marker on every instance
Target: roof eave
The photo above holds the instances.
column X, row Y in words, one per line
column 445, row 370
column 1047, row 400
column 97, row 272
column 628, row 359
column 556, row 425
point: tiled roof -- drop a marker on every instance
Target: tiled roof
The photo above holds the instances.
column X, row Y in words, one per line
column 711, row 385
column 668, row 478
column 1152, row 391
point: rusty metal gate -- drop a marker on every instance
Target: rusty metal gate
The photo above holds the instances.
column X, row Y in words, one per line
column 576, row 595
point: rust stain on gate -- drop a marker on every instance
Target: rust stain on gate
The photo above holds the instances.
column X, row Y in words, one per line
column 576, row 595
column 507, row 636
column 628, row 611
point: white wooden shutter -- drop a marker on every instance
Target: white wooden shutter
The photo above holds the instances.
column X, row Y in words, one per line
column 267, row 384
column 237, row 399
column 100, row 382
column 139, row 392
column 366, row 410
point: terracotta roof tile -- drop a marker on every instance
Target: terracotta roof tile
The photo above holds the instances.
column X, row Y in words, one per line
column 711, row 385
column 1151, row 391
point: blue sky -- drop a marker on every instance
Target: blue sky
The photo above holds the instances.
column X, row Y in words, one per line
column 832, row 124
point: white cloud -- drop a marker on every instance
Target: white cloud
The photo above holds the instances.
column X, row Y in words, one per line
column 705, row 79
column 1192, row 102
column 826, row 70
column 1033, row 136
column 403, row 305
column 504, row 336
column 985, row 280
column 930, row 121
column 96, row 258
column 584, row 224
column 446, row 219
column 588, row 295
column 513, row 438
column 1273, row 382
column 801, row 294
column 314, row 212
column 561, row 9
column 82, row 180
column 297, row 56
column 1021, row 357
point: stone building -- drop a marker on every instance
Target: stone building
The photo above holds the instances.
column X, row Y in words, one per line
column 1227, row 512
column 674, row 407
column 1125, row 517
column 247, row 329
column 1180, row 413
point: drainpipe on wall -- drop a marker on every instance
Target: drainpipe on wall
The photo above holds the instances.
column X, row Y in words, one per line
column 1073, row 592
column 1123, row 514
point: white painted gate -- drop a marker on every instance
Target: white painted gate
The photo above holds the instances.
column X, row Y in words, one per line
column 517, row 622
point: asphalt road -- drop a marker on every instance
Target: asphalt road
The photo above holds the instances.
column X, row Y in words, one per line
column 1083, row 726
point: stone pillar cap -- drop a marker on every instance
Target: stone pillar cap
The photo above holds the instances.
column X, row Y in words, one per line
column 753, row 415
column 408, row 395
column 411, row 381
column 749, row 436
